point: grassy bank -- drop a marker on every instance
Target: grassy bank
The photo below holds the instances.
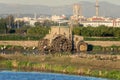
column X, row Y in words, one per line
column 34, row 37
column 69, row 64
column 18, row 37
column 107, row 48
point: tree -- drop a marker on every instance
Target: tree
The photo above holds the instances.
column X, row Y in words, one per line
column 116, row 32
column 101, row 31
column 76, row 31
column 10, row 21
column 38, row 24
column 19, row 24
column 3, row 26
column 38, row 31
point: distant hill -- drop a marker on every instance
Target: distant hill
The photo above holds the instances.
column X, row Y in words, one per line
column 88, row 9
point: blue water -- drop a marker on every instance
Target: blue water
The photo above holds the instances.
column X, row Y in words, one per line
column 5, row 75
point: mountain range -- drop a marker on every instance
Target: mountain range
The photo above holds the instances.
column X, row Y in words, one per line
column 88, row 9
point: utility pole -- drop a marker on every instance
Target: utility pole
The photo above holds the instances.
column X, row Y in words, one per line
column 9, row 21
column 35, row 16
column 18, row 25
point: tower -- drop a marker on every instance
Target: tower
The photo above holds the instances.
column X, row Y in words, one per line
column 97, row 8
column 77, row 10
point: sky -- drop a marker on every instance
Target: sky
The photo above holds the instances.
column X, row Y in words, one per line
column 53, row 2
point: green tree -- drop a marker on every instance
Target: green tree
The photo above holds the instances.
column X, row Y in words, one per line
column 38, row 24
column 116, row 32
column 3, row 26
column 19, row 24
column 10, row 21
column 38, row 31
column 101, row 31
column 76, row 30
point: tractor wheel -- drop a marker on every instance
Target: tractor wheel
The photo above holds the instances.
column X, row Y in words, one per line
column 81, row 46
column 61, row 44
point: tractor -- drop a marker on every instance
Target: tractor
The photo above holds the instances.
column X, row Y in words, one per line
column 61, row 39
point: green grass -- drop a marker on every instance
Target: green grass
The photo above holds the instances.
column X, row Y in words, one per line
column 108, row 48
column 20, row 37
column 97, row 48
column 34, row 37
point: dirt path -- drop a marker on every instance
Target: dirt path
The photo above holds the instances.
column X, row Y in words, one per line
column 35, row 43
column 104, row 43
column 20, row 43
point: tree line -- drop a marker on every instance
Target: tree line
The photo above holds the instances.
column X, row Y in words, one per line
column 101, row 31
column 8, row 26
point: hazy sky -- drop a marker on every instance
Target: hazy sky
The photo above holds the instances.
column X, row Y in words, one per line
column 53, row 2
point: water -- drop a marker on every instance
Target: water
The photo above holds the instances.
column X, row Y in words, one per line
column 6, row 75
column 36, row 51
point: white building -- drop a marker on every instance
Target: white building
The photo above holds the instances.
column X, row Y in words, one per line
column 56, row 18
column 32, row 22
column 96, row 24
column 98, row 21
column 25, row 19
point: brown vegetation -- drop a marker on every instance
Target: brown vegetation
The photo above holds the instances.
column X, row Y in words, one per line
column 101, row 62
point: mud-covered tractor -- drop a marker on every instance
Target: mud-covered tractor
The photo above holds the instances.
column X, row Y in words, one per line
column 60, row 39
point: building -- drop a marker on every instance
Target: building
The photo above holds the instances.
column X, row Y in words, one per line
column 96, row 24
column 98, row 21
column 32, row 21
column 56, row 18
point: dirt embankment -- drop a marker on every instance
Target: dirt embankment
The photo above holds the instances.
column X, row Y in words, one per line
column 104, row 43
column 20, row 43
column 35, row 43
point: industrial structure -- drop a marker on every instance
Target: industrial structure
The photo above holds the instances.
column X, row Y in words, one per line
column 94, row 21
column 77, row 10
column 97, row 8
